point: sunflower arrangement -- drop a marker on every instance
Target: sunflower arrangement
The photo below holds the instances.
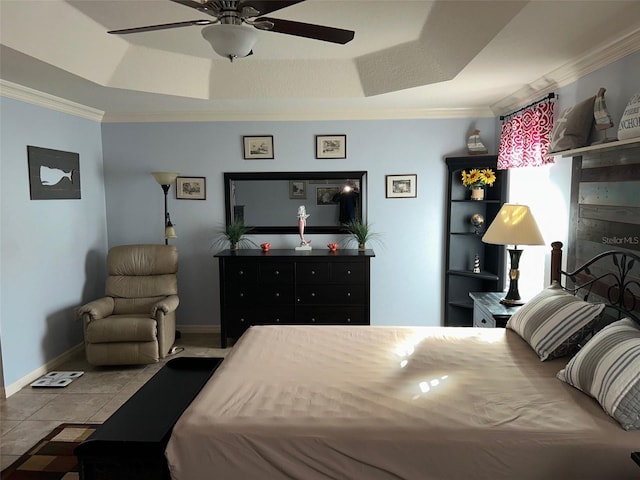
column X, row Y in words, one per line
column 478, row 178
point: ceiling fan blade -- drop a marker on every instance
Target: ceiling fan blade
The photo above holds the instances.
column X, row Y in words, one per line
column 201, row 7
column 309, row 30
column 163, row 26
column 267, row 6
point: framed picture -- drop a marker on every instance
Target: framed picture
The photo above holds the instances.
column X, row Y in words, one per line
column 401, row 186
column 258, row 147
column 298, row 189
column 331, row 146
column 327, row 195
column 53, row 174
column 191, row 188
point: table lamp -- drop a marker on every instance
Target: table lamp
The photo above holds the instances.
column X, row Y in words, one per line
column 514, row 225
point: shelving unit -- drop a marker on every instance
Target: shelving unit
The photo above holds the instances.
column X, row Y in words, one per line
column 463, row 242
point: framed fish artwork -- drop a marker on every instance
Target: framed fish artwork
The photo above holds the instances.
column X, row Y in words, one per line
column 53, row 174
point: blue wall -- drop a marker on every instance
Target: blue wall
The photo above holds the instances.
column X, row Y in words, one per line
column 52, row 250
column 406, row 273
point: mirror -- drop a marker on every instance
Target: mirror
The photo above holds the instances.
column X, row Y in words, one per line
column 268, row 202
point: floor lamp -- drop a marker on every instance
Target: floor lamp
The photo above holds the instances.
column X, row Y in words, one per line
column 514, row 225
column 166, row 179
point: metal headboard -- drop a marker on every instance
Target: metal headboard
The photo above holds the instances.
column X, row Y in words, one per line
column 609, row 277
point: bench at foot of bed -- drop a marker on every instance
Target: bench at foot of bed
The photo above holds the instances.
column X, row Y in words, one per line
column 131, row 443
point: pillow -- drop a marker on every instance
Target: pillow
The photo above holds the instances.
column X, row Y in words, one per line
column 573, row 126
column 630, row 122
column 554, row 322
column 607, row 368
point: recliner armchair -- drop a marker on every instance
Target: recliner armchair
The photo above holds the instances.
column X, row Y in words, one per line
column 135, row 322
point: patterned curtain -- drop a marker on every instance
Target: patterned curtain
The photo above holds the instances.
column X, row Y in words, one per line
column 526, row 135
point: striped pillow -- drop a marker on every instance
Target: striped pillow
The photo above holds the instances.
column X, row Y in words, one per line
column 608, row 369
column 555, row 322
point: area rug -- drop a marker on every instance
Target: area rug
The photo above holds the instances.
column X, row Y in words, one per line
column 52, row 457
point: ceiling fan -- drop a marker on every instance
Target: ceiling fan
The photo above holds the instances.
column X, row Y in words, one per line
column 232, row 32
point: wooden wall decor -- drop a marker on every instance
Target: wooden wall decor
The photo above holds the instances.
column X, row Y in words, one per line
column 605, row 208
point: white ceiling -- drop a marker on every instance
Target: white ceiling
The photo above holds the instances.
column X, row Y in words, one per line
column 408, row 59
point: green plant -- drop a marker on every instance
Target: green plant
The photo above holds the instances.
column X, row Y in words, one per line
column 360, row 232
column 234, row 234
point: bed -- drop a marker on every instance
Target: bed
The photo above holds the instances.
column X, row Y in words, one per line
column 356, row 402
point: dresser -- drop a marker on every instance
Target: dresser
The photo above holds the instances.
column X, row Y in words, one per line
column 289, row 287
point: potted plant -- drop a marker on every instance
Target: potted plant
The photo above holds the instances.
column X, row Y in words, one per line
column 234, row 234
column 360, row 232
column 476, row 180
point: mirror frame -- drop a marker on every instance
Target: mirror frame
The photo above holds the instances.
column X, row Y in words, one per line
column 293, row 228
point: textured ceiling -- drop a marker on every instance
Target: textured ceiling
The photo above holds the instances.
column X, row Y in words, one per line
column 408, row 58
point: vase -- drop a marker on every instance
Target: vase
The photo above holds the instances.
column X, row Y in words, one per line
column 361, row 247
column 477, row 192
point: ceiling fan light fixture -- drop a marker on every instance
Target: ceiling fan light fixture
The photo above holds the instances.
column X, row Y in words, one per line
column 231, row 41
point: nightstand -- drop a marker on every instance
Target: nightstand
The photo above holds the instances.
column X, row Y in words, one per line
column 488, row 312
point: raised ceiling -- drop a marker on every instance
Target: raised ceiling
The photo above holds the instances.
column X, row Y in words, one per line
column 408, row 58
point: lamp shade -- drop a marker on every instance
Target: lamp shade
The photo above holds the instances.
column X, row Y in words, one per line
column 170, row 231
column 514, row 225
column 231, row 41
column 165, row 178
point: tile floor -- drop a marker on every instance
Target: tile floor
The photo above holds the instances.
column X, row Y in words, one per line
column 31, row 413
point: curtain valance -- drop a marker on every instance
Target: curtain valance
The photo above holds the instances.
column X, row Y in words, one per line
column 526, row 134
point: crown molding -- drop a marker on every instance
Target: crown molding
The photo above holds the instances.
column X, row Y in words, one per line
column 283, row 116
column 570, row 72
column 41, row 99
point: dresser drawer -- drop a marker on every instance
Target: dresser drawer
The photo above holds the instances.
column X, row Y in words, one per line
column 241, row 272
column 482, row 318
column 343, row 272
column 275, row 294
column 254, row 295
column 239, row 319
column 312, row 272
column 275, row 273
column 241, row 294
column 330, row 295
column 331, row 315
column 482, row 321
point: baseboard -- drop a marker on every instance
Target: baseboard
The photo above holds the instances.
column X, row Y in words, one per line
column 198, row 328
column 40, row 371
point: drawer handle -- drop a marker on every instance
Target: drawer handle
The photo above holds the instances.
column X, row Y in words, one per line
column 348, row 320
column 277, row 320
column 277, row 294
column 313, row 319
column 313, row 294
column 242, row 320
column 242, row 294
column 241, row 272
column 348, row 294
column 483, row 321
column 298, row 300
column 313, row 272
column 277, row 272
column 348, row 272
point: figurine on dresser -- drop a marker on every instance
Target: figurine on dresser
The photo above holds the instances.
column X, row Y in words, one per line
column 302, row 222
